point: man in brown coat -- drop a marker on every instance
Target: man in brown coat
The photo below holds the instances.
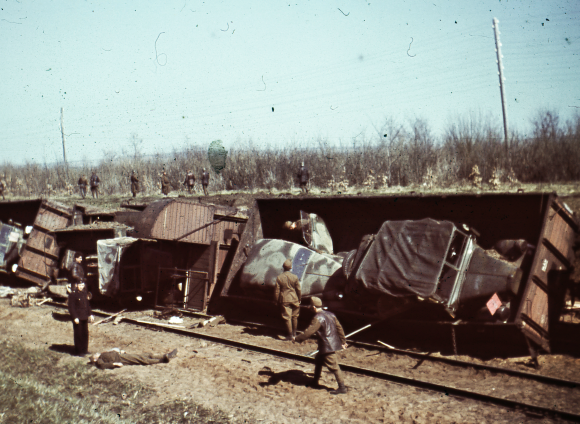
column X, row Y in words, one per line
column 165, row 184
column 331, row 339
column 189, row 181
column 134, row 184
column 83, row 183
column 287, row 296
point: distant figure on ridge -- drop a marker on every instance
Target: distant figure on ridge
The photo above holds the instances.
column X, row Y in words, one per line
column 95, row 182
column 303, row 176
column 189, row 181
column 83, row 184
column 165, row 184
column 205, row 181
column 134, row 184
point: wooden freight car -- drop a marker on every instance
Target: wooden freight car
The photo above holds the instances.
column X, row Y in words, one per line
column 38, row 260
column 543, row 220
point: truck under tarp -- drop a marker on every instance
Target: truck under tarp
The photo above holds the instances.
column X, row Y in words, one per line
column 406, row 258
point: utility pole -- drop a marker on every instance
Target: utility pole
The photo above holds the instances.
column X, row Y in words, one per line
column 63, row 141
column 495, row 26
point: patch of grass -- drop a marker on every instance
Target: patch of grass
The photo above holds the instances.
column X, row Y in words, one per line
column 34, row 386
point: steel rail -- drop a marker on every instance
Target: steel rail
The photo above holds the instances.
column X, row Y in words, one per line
column 447, row 390
column 426, row 356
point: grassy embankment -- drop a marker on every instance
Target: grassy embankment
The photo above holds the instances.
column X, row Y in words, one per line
column 35, row 387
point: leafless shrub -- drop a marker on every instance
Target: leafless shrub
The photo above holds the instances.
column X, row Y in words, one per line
column 398, row 155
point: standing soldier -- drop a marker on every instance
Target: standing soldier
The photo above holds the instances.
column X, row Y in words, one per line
column 134, row 184
column 189, row 180
column 205, row 181
column 331, row 339
column 288, row 295
column 83, row 183
column 165, row 184
column 2, row 189
column 80, row 311
column 95, row 182
column 304, row 176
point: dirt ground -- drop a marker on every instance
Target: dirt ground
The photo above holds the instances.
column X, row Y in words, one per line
column 258, row 388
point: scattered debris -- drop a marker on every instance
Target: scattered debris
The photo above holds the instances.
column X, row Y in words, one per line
column 175, row 320
column 167, row 313
column 109, row 318
column 117, row 320
column 211, row 322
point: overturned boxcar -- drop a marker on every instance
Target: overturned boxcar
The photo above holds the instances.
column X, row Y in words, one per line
column 170, row 252
column 499, row 259
column 34, row 221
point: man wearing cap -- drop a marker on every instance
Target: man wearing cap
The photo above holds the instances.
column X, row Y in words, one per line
column 81, row 314
column 116, row 358
column 134, row 184
column 303, row 176
column 287, row 296
column 331, row 339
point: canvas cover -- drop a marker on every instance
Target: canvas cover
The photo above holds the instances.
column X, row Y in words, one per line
column 11, row 241
column 109, row 253
column 406, row 258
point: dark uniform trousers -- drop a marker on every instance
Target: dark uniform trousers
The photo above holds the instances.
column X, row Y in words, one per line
column 330, row 360
column 81, row 337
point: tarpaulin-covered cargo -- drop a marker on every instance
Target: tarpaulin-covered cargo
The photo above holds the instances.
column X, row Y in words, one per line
column 109, row 253
column 406, row 257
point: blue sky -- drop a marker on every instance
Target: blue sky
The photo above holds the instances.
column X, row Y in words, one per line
column 186, row 72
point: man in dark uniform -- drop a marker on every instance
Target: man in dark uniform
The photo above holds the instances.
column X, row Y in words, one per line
column 77, row 273
column 95, row 182
column 331, row 339
column 303, row 176
column 81, row 314
column 2, row 189
column 165, row 184
column 134, row 184
column 287, row 296
column 116, row 358
column 189, row 181
column 205, row 181
column 83, row 183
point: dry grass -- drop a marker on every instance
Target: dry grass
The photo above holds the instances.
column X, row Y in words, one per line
column 34, row 387
column 406, row 156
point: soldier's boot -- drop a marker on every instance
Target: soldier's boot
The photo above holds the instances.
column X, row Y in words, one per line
column 340, row 391
column 294, row 326
column 314, row 384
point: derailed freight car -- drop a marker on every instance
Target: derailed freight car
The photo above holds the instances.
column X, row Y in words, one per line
column 32, row 225
column 172, row 253
column 429, row 254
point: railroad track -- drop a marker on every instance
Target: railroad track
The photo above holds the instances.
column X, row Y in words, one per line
column 447, row 390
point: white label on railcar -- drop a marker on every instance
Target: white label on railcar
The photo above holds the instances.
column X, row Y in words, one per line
column 544, row 265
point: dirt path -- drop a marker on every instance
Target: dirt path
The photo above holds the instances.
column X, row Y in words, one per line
column 251, row 387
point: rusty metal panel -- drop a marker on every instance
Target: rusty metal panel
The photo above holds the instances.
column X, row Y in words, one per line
column 43, row 243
